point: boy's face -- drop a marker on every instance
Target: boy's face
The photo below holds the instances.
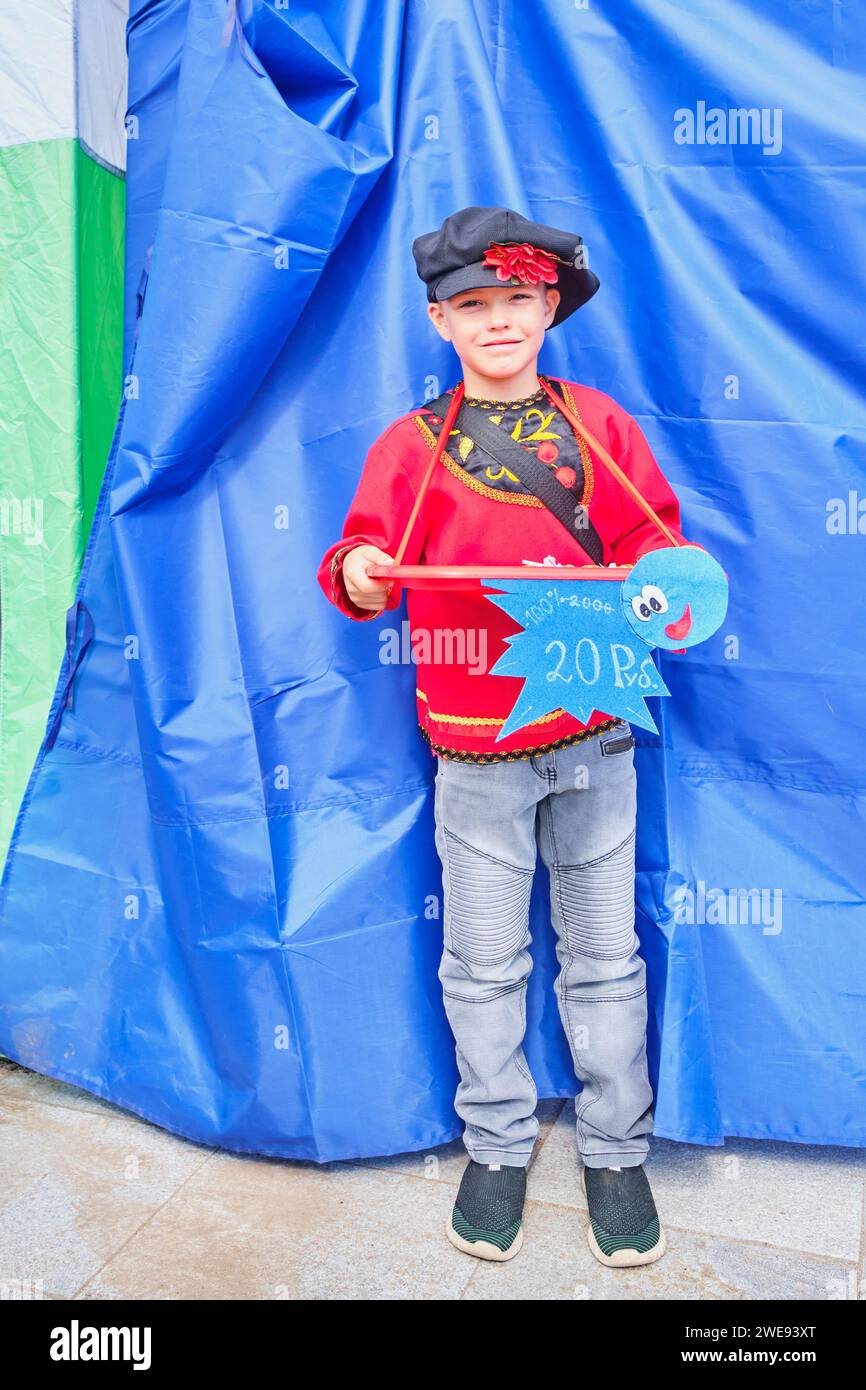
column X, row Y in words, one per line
column 496, row 330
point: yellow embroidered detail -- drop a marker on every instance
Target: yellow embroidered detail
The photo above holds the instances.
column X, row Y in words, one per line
column 484, row 720
column 541, row 433
column 494, row 474
column 520, row 499
column 502, row 473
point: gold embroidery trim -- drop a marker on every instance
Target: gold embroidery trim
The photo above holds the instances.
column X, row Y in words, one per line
column 482, row 719
column 507, row 405
column 464, row 755
column 588, row 474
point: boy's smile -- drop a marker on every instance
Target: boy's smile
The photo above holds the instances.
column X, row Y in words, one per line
column 497, row 332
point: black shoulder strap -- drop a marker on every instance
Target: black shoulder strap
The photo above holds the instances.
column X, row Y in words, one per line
column 535, row 476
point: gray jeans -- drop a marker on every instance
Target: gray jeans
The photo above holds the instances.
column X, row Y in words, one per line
column 580, row 802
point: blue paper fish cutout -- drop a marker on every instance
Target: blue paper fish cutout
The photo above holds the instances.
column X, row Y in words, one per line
column 586, row 644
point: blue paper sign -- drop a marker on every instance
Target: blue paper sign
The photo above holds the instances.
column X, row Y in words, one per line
column 586, row 644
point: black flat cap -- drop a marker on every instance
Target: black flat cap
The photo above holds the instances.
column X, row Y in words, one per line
column 458, row 257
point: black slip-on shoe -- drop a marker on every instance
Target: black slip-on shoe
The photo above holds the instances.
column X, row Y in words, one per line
column 488, row 1211
column 624, row 1227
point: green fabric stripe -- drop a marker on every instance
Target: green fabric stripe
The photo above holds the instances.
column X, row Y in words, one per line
column 41, row 457
column 101, row 213
column 53, row 274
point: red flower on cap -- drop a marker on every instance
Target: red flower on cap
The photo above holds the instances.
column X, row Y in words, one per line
column 522, row 261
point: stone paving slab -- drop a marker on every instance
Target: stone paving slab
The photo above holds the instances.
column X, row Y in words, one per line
column 246, row 1228
column 76, row 1186
column 97, row 1203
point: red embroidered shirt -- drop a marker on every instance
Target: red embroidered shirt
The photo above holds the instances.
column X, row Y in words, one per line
column 477, row 512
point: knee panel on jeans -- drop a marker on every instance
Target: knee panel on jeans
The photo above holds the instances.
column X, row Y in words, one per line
column 596, row 904
column 487, row 905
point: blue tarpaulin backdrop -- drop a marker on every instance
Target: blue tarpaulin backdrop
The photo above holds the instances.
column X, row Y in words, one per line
column 221, row 903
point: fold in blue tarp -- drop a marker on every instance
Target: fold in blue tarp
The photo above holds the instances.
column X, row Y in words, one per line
column 221, row 904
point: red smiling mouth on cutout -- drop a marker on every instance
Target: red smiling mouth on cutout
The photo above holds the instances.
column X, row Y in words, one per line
column 682, row 625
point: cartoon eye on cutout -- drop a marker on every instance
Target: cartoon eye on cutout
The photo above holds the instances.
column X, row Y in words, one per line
column 653, row 595
column 641, row 609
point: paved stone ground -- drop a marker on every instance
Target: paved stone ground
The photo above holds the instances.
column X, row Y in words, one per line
column 96, row 1203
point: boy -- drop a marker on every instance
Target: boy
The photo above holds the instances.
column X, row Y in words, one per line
column 495, row 283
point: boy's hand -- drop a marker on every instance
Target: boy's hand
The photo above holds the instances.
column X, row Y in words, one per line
column 363, row 589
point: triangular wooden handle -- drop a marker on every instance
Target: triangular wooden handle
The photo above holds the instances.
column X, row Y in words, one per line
column 576, row 424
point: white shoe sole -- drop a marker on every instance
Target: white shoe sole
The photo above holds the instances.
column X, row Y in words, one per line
column 482, row 1249
column 623, row 1259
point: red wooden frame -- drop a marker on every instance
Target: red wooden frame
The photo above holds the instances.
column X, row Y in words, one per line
column 471, row 576
column 485, row 576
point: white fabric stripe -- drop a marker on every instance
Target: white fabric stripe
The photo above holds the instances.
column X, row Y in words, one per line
column 37, row 73
column 102, row 70
column 63, row 74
